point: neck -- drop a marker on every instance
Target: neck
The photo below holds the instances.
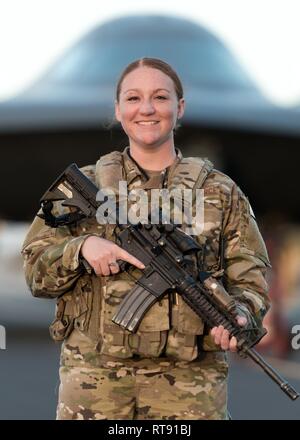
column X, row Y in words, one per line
column 155, row 159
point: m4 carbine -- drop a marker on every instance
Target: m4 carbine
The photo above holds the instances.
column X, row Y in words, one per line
column 168, row 254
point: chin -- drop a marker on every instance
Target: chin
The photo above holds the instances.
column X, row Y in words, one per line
column 149, row 142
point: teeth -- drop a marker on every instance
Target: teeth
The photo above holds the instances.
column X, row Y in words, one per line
column 147, row 122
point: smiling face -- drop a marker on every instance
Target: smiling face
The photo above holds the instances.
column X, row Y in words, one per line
column 148, row 107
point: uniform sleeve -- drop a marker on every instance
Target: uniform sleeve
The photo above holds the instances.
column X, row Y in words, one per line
column 51, row 259
column 245, row 258
column 52, row 255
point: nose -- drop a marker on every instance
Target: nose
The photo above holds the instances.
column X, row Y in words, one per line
column 147, row 107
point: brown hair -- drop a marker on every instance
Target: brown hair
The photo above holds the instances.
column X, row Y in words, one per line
column 154, row 63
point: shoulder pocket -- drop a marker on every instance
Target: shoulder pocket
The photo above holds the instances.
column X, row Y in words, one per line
column 252, row 242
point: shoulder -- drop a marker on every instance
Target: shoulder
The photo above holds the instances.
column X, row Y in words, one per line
column 220, row 184
column 214, row 179
column 220, row 180
column 89, row 171
column 232, row 197
column 110, row 158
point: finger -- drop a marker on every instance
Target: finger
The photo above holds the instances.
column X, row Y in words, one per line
column 96, row 267
column 233, row 344
column 124, row 255
column 97, row 270
column 225, row 340
column 114, row 268
column 241, row 320
column 213, row 331
column 218, row 334
column 105, row 269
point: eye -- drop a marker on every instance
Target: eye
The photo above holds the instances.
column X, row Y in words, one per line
column 132, row 98
column 161, row 97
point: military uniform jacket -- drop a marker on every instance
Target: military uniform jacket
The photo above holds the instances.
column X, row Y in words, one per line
column 170, row 329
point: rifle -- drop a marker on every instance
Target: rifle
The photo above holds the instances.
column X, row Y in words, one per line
column 168, row 254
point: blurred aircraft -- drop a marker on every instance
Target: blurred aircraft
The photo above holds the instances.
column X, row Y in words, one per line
column 66, row 115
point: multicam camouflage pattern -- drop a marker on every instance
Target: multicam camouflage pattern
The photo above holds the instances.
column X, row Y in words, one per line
column 157, row 389
column 170, row 329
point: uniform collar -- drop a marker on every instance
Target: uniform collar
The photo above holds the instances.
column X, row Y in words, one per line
column 133, row 170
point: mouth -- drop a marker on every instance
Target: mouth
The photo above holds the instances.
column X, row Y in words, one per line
column 147, row 123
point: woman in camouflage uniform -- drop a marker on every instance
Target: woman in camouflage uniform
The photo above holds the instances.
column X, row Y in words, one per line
column 173, row 367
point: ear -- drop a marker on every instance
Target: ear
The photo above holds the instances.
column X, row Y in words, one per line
column 181, row 107
column 117, row 111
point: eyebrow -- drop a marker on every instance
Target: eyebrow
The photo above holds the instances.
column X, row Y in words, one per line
column 137, row 90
